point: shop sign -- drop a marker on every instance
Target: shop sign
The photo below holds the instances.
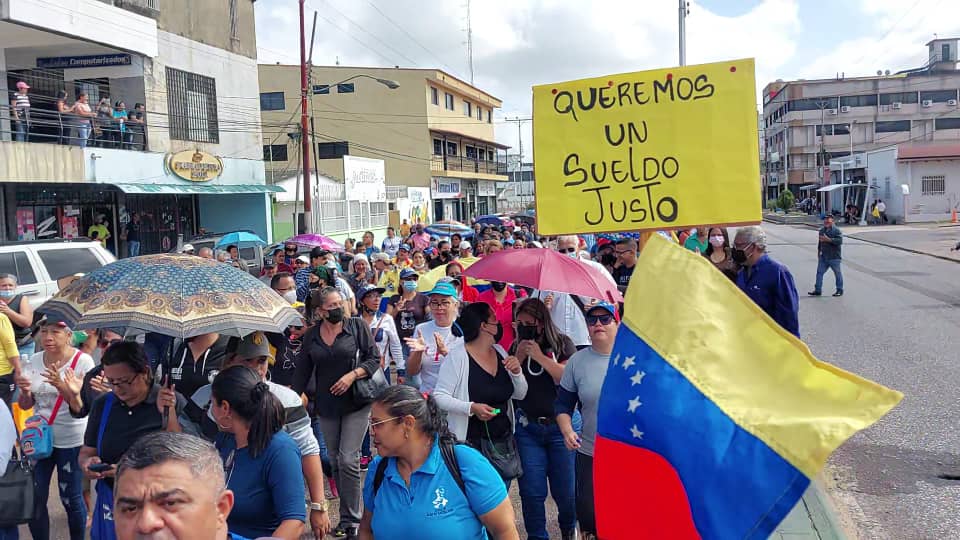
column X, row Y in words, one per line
column 486, row 188
column 89, row 61
column 195, row 166
column 365, row 179
column 446, row 188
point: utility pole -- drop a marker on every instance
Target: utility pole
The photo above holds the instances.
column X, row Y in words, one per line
column 313, row 133
column 519, row 171
column 304, row 139
column 684, row 11
column 822, row 158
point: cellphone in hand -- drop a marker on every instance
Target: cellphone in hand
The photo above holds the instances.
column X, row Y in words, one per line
column 100, row 467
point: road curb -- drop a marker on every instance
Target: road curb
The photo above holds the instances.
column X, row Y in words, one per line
column 893, row 246
column 822, row 514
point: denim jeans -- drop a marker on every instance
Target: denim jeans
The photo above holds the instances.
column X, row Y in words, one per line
column 83, row 133
column 70, row 483
column 324, row 454
column 545, row 458
column 21, row 128
column 133, row 248
column 9, row 533
column 822, row 266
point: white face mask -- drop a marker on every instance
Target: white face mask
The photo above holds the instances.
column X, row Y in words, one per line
column 716, row 241
column 290, row 296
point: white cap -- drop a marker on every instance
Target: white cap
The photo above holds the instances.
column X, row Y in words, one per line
column 304, row 259
column 465, row 245
column 186, row 248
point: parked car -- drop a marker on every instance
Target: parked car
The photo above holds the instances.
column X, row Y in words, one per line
column 38, row 264
column 253, row 255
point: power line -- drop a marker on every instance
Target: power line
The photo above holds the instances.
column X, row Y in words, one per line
column 371, row 34
column 413, row 39
column 353, row 37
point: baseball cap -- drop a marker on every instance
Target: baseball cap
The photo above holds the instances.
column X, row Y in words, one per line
column 408, row 273
column 322, row 273
column 318, row 252
column 251, row 346
column 186, row 248
column 379, row 256
column 404, row 247
column 429, row 251
column 55, row 321
column 367, row 289
column 443, row 288
column 304, row 259
column 21, row 84
column 612, row 309
column 509, row 241
column 465, row 245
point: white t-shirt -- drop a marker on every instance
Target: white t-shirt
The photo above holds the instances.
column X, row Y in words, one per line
column 430, row 364
column 67, row 430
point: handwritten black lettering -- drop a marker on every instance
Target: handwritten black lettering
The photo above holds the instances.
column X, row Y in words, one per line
column 703, row 87
column 659, row 88
column 592, row 92
column 623, row 93
column 684, row 88
column 633, row 133
column 586, row 215
column 606, row 101
column 577, row 170
column 672, row 203
column 563, row 104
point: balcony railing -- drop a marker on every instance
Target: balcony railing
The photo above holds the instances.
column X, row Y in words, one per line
column 467, row 164
column 44, row 126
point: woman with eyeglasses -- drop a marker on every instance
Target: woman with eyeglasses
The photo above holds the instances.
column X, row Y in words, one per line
column 433, row 340
column 543, row 353
column 580, row 384
column 422, row 484
column 135, row 406
column 336, row 352
column 477, row 385
column 44, row 385
column 261, row 462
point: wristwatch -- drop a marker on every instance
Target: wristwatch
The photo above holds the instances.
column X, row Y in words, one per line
column 319, row 506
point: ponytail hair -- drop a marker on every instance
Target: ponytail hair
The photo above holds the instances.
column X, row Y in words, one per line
column 402, row 400
column 250, row 399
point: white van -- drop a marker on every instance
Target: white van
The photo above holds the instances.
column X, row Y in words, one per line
column 39, row 264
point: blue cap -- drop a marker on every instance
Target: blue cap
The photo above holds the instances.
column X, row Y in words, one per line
column 405, row 247
column 443, row 289
column 408, row 273
column 508, row 240
column 367, row 289
column 603, row 305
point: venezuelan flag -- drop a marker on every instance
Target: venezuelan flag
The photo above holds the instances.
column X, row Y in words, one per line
column 713, row 420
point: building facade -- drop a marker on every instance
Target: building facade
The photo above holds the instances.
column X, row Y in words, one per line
column 186, row 155
column 432, row 131
column 806, row 123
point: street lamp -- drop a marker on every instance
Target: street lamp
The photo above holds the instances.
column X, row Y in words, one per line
column 306, row 141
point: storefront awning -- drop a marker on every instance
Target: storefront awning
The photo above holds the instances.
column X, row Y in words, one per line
column 187, row 189
column 834, row 187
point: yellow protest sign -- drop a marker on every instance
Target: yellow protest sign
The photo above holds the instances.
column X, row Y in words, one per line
column 661, row 149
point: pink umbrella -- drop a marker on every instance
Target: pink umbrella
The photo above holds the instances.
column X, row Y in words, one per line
column 546, row 270
column 315, row 240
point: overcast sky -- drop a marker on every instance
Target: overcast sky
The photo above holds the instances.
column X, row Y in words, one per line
column 521, row 43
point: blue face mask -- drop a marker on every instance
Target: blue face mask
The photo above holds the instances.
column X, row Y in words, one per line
column 8, row 294
column 409, row 286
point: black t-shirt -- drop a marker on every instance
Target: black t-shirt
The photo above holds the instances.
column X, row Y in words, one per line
column 124, row 424
column 494, row 391
column 541, row 389
column 327, row 363
column 191, row 374
column 413, row 313
column 133, row 232
column 622, row 275
column 286, row 355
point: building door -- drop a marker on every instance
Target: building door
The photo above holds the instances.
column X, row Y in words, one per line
column 438, row 213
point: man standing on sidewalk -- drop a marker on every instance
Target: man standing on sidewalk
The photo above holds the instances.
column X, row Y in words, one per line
column 828, row 256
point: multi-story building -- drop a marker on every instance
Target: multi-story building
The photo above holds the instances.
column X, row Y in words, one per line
column 431, row 130
column 188, row 153
column 806, row 123
column 518, row 194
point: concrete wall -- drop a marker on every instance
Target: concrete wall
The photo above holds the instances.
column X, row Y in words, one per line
column 439, row 117
column 129, row 167
column 208, row 21
column 882, row 172
column 236, row 85
column 229, row 212
column 390, row 124
column 930, row 207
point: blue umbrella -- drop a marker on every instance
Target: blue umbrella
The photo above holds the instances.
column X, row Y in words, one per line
column 240, row 237
column 448, row 229
column 490, row 219
column 174, row 295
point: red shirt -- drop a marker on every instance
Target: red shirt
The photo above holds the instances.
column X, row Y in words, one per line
column 504, row 312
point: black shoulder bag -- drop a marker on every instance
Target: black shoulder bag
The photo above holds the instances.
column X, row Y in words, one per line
column 367, row 389
column 16, row 492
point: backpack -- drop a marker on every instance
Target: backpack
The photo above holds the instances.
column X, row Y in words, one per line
column 449, row 459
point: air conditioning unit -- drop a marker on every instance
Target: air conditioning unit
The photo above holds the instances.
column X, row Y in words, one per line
column 896, row 105
column 845, row 108
column 952, row 102
column 927, row 103
column 833, row 112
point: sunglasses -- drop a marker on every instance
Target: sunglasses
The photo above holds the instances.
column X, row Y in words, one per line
column 567, row 250
column 602, row 319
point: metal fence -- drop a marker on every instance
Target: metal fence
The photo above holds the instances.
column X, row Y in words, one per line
column 465, row 164
column 38, row 125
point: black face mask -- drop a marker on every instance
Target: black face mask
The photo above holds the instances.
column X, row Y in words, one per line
column 525, row 332
column 499, row 335
column 739, row 255
column 315, row 285
column 335, row 315
column 608, row 259
column 498, row 285
column 444, row 254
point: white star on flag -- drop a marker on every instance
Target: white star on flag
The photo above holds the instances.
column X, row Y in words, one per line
column 633, row 404
column 637, row 377
column 628, row 361
column 637, row 434
column 616, row 359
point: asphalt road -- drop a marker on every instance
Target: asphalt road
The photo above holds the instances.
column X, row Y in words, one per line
column 896, row 324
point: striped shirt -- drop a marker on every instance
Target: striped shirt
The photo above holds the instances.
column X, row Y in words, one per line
column 21, row 103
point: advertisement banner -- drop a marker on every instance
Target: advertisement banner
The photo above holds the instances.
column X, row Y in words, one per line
column 419, row 206
column 661, row 149
column 446, row 188
column 365, row 179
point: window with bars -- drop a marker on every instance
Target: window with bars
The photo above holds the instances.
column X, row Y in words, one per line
column 192, row 106
column 933, row 185
column 333, row 150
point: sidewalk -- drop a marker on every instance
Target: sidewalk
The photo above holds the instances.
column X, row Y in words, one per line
column 811, row 519
column 925, row 239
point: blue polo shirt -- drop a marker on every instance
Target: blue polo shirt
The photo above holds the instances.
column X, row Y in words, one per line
column 770, row 285
column 434, row 506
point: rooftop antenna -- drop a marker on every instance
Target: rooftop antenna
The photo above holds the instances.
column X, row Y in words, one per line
column 338, row 60
column 469, row 43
